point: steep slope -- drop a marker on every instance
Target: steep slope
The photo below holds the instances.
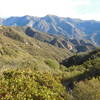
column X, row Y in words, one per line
column 84, row 68
column 60, row 41
column 81, row 58
column 49, row 24
column 31, row 69
column 17, row 49
column 38, row 35
column 56, row 25
column 20, row 21
column 71, row 28
column 91, row 28
column 74, row 83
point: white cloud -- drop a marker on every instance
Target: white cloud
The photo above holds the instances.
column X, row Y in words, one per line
column 65, row 8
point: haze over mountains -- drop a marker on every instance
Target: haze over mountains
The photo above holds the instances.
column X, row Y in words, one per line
column 71, row 28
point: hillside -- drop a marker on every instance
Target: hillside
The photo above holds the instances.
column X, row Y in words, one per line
column 31, row 69
column 71, row 28
column 73, row 83
column 87, row 68
column 17, row 49
column 60, row 41
column 79, row 59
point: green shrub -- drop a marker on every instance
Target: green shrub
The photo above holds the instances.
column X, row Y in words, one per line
column 30, row 85
column 87, row 90
column 52, row 63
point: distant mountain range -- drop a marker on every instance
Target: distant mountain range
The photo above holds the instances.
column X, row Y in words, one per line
column 75, row 45
column 72, row 29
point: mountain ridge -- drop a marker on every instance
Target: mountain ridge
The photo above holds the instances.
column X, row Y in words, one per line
column 51, row 24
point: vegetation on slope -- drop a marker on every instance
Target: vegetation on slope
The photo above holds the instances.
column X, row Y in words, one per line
column 79, row 59
column 17, row 49
column 61, row 41
column 30, row 70
column 28, row 84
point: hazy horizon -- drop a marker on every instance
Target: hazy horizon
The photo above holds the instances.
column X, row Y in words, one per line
column 49, row 15
column 80, row 9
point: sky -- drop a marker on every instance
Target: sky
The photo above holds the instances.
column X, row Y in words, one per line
column 83, row 9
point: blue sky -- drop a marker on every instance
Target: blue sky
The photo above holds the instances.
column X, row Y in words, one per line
column 83, row 9
column 92, row 7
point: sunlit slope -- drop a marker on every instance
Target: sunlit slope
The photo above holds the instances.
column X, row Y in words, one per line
column 18, row 49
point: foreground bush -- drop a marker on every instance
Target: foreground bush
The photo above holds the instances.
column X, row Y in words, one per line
column 23, row 85
column 87, row 90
